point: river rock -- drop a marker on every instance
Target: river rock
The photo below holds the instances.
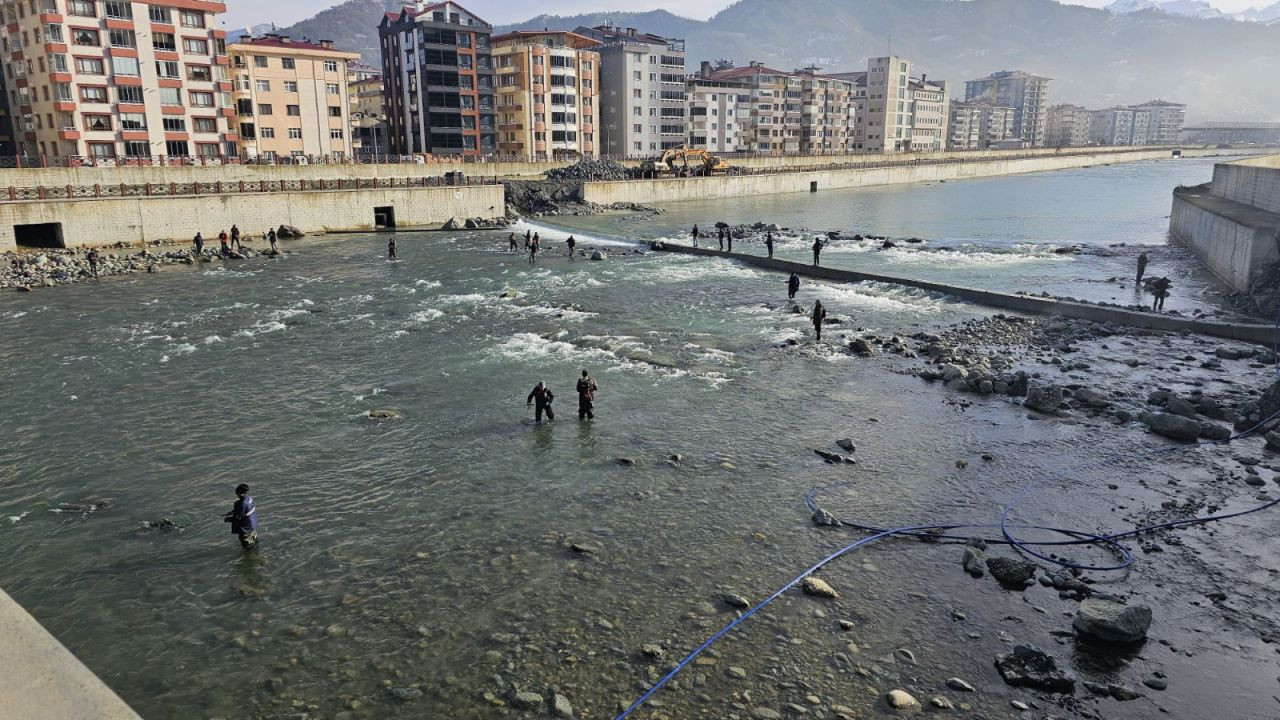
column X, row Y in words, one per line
column 1012, row 572
column 561, row 706
column 406, row 694
column 1029, row 666
column 1273, row 440
column 862, row 347
column 1112, row 621
column 1172, row 426
column 735, row 601
column 942, row 702
column 527, row 700
column 823, row 518
column 973, row 561
column 1179, row 406
column 1043, row 398
column 384, row 414
column 289, row 231
column 901, row 700
column 599, row 255
column 1091, row 398
column 1214, row 431
column 845, row 444
column 818, row 588
column 452, row 223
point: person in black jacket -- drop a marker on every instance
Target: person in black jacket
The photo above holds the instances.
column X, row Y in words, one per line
column 544, row 397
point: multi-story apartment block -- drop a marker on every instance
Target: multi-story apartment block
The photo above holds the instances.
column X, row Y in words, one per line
column 828, row 112
column 1112, row 126
column 1027, row 94
column 717, row 111
column 548, row 101
column 438, row 79
column 981, row 126
column 1157, row 122
column 642, row 95
column 772, row 122
column 368, row 116
column 117, row 79
column 1067, row 126
column 895, row 111
column 928, row 103
column 1165, row 119
column 291, row 97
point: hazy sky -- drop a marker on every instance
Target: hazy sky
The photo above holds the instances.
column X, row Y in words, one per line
column 285, row 12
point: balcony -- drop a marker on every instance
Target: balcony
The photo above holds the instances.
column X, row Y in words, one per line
column 510, row 127
column 510, row 108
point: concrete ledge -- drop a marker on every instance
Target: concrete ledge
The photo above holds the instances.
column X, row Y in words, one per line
column 1262, row 334
column 42, row 680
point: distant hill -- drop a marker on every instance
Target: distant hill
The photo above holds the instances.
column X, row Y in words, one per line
column 1222, row 68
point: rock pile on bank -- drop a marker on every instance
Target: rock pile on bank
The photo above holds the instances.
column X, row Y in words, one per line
column 591, row 169
column 49, row 268
column 538, row 198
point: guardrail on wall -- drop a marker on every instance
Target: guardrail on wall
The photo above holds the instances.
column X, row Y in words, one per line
column 39, row 193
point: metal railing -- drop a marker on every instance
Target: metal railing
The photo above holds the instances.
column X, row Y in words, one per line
column 40, row 193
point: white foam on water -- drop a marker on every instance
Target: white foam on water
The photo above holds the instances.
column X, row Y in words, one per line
column 355, row 300
column 425, row 316
column 529, row 346
column 874, row 296
column 548, row 233
column 16, row 314
column 213, row 340
column 469, row 298
column 164, row 358
column 182, row 349
column 15, row 519
column 428, row 283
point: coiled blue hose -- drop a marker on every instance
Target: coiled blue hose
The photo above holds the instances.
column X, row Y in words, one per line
column 1007, row 537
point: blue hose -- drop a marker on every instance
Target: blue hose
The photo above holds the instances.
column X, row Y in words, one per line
column 942, row 532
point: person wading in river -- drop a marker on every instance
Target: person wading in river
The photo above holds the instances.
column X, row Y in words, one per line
column 528, row 239
column 768, row 243
column 244, row 518
column 793, row 285
column 720, row 237
column 586, row 397
column 572, row 242
column 817, row 249
column 544, row 397
column 391, row 249
column 533, row 248
column 819, row 315
column 1160, row 289
column 695, row 235
column 271, row 238
column 199, row 243
column 512, row 244
column 93, row 262
column 1142, row 269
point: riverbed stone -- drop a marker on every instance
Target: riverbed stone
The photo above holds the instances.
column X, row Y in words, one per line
column 561, row 706
column 1043, row 398
column 1172, row 426
column 526, row 700
column 818, row 588
column 1011, row 571
column 823, row 518
column 1029, row 666
column 1112, row 621
column 973, row 561
column 959, row 685
column 901, row 700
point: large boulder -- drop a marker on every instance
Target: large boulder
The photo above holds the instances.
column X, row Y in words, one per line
column 453, row 223
column 1175, row 427
column 1011, row 571
column 1029, row 666
column 1273, row 441
column 1112, row 621
column 289, row 231
column 1043, row 398
column 599, row 255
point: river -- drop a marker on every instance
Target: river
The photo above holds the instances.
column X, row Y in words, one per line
column 433, row 553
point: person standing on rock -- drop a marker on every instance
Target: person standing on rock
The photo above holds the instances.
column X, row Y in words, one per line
column 793, row 286
column 720, row 237
column 222, row 241
column 235, row 238
column 1160, row 289
column 1142, row 269
column 543, row 396
column 244, row 518
column 93, row 262
column 586, row 397
column 768, row 243
column 391, row 249
column 198, row 240
column 728, row 235
column 572, row 242
column 817, row 249
column 271, row 238
column 819, row 315
column 695, row 235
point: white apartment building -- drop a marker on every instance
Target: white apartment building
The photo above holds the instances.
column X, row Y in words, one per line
column 717, row 109
column 642, row 90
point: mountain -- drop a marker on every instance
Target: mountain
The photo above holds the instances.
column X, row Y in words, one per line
column 1221, row 69
column 1122, row 7
column 1268, row 14
column 1193, row 8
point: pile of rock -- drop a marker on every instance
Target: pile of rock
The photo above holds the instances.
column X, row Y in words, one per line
column 476, row 223
column 49, row 268
column 590, row 169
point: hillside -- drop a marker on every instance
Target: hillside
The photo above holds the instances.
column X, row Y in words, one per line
column 1221, row 68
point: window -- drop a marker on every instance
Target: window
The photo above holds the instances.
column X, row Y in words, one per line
column 53, row 33
column 262, row 85
column 170, row 96
column 85, row 38
column 247, row 131
column 83, row 8
column 195, row 46
column 268, row 133
column 199, row 73
column 102, row 150
column 205, row 124
column 137, row 148
column 335, row 111
column 175, row 124
column 333, row 89
column 57, row 63
column 207, row 149
column 201, row 99
column 295, row 133
column 89, row 66
column 133, row 121
column 97, row 123
column 264, row 108
column 166, row 68
column 331, row 66
column 192, row 19
column 290, row 86
column 244, row 106
column 176, row 148
column 161, row 15
column 335, row 134
column 125, row 66
column 62, row 92
column 122, row 38
column 164, row 41
column 93, row 94
column 292, row 111
column 288, row 63
column 260, row 61
column 119, row 9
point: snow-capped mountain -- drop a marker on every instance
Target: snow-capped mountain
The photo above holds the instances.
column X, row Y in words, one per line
column 1195, row 9
column 1268, row 14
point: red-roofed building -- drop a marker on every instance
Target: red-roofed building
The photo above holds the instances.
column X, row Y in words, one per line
column 291, row 97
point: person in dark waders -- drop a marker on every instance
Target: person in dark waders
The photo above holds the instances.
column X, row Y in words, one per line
column 572, row 242
column 235, row 238
column 695, row 235
column 244, row 518
column 528, row 239
column 512, row 244
column 1142, row 269
column 534, row 247
column 198, row 240
column 1160, row 289
column 271, row 238
column 728, row 235
column 768, row 243
column 391, row 249
column 819, row 315
column 793, row 286
column 817, row 249
column 93, row 262
column 720, row 237
column 543, row 396
column 586, row 397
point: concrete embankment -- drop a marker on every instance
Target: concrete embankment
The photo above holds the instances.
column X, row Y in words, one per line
column 1023, row 303
column 42, row 680
column 890, row 171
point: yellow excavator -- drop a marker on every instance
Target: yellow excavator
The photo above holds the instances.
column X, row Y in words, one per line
column 684, row 162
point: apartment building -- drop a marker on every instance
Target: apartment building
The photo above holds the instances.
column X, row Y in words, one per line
column 981, row 126
column 291, row 97
column 928, row 103
column 1026, row 93
column 1114, row 126
column 117, row 79
column 368, row 115
column 768, row 125
column 642, row 91
column 1165, row 120
column 438, row 78
column 828, row 112
column 895, row 111
column 717, row 111
column 548, row 101
column 1067, row 126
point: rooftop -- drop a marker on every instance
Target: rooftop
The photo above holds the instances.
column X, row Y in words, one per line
column 568, row 39
column 284, row 42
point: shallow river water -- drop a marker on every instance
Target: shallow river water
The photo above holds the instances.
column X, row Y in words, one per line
column 432, row 554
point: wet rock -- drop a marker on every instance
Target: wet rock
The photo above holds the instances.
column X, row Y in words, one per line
column 764, row 713
column 861, row 347
column 1112, row 621
column 384, row 414
column 735, row 601
column 818, row 588
column 1156, row 683
column 289, row 231
column 625, row 462
column 737, row 673
column 959, row 685
column 586, row 548
column 834, row 458
column 526, row 700
column 1091, row 398
column 973, row 561
column 1012, row 572
column 1172, row 426
column 1179, row 406
column 1273, row 440
column 1029, row 666
column 406, row 694
column 901, row 700
column 599, row 255
column 453, row 223
column 561, row 706
column 942, row 703
column 845, row 444
column 1227, row 353
column 822, row 518
column 1044, row 399
column 652, row 650
column 1214, row 431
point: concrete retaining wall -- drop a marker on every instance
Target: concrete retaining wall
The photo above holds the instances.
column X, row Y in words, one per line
column 1255, row 183
column 1231, row 248
column 42, row 679
column 1023, row 303
column 143, row 219
column 713, row 188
